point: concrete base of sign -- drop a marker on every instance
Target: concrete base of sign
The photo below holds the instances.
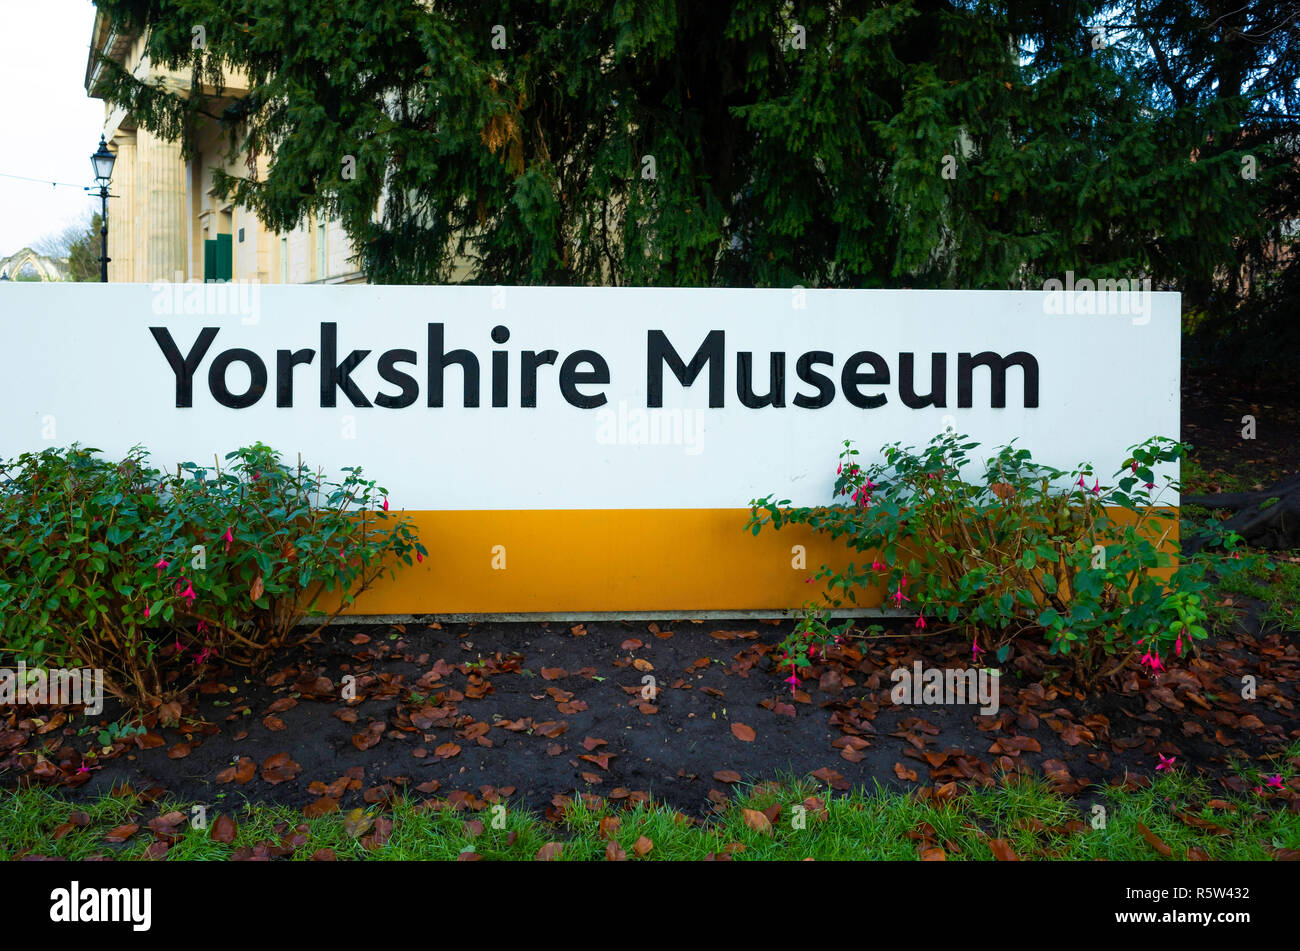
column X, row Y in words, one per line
column 575, row 618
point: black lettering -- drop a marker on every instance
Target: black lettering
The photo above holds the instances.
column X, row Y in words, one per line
column 659, row 351
column 938, row 395
column 285, row 361
column 500, row 378
column 570, row 378
column 438, row 361
column 825, row 388
column 338, row 375
column 528, row 364
column 852, row 378
column 390, row 374
column 184, row 368
column 745, row 386
column 256, row 383
column 997, row 376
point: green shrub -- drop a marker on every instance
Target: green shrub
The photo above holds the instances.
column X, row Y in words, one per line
column 1012, row 553
column 150, row 575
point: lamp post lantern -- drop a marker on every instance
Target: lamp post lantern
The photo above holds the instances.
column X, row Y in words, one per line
column 103, row 163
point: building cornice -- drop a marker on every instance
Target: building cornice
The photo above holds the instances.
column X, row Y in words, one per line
column 105, row 39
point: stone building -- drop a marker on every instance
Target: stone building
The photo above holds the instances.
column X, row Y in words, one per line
column 165, row 223
column 27, row 265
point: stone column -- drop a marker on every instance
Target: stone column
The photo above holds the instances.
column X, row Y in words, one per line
column 162, row 177
column 122, row 210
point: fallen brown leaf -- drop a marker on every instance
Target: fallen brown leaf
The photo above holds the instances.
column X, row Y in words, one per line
column 549, row 852
column 320, row 807
column 743, row 733
column 1002, row 850
column 1155, row 841
column 279, row 768
column 121, row 833
column 222, row 830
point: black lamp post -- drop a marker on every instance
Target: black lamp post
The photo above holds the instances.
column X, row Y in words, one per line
column 103, row 162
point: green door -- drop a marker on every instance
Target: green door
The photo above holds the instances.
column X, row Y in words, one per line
column 218, row 259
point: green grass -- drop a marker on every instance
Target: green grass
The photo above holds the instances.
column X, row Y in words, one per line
column 1277, row 585
column 860, row 825
column 1283, row 598
column 1197, row 480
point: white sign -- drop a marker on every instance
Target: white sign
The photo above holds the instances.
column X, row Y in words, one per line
column 479, row 398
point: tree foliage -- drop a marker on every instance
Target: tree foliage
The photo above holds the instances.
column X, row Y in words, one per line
column 84, row 251
column 78, row 245
column 860, row 143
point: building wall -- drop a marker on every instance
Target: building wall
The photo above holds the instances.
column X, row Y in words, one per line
column 163, row 208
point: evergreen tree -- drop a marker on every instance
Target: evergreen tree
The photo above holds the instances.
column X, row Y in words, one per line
column 924, row 143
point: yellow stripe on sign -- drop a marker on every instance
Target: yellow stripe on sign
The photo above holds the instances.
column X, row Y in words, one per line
column 621, row 561
column 495, row 562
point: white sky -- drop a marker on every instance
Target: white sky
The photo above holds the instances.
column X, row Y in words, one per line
column 50, row 125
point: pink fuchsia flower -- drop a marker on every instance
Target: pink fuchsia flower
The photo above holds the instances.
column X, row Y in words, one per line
column 807, row 580
column 385, row 503
column 419, row 558
column 878, row 566
column 188, row 594
column 839, row 470
column 975, row 651
column 898, row 596
column 1150, row 485
column 793, row 681
column 1152, row 660
column 1166, row 762
column 203, row 626
column 146, row 612
column 1096, row 487
column 1081, row 484
column 1178, row 646
column 228, row 538
column 1135, row 468
column 203, row 655
column 920, row 622
column 160, row 564
column 1274, row 782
